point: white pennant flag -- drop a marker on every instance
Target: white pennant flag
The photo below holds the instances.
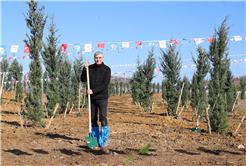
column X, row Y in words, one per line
column 125, row 44
column 88, row 47
column 238, row 38
column 1, row 59
column 198, row 41
column 27, row 57
column 14, row 57
column 162, row 44
column 14, row 48
column 5, row 83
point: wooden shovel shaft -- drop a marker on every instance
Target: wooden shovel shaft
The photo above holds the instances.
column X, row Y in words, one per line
column 239, row 125
column 199, row 113
column 180, row 98
column 89, row 97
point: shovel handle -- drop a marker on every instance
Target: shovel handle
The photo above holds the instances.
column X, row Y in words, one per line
column 89, row 97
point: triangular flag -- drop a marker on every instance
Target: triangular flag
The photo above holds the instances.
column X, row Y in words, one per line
column 10, row 58
column 137, row 47
column 14, row 57
column 113, row 46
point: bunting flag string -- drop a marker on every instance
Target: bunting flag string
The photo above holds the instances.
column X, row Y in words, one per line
column 125, row 45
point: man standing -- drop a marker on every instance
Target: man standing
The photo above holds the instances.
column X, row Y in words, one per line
column 99, row 75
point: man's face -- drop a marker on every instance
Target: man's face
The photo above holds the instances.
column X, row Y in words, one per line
column 98, row 59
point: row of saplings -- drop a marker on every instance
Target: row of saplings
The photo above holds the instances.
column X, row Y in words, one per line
column 213, row 98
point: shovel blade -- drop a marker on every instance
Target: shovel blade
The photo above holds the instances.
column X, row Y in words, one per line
column 91, row 141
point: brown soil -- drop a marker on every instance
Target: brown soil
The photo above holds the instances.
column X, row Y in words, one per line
column 173, row 141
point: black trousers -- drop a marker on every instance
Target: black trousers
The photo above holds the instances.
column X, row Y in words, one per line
column 101, row 106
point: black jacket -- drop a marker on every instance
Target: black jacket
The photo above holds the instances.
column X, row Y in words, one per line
column 99, row 80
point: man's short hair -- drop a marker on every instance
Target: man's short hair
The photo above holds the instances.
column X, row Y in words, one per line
column 98, row 53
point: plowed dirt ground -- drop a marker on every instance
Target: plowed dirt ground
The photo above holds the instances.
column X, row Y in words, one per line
column 173, row 141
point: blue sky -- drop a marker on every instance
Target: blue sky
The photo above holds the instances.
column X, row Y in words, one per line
column 82, row 22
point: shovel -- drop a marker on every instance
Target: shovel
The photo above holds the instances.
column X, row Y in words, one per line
column 91, row 141
column 197, row 129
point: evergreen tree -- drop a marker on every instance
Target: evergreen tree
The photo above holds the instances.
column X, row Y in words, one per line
column 128, row 88
column 5, row 68
column 16, row 69
column 158, row 87
column 164, row 89
column 124, row 89
column 218, row 55
column 51, row 58
column 148, row 71
column 45, row 82
column 230, row 91
column 116, row 87
column 194, row 92
column 171, row 63
column 35, row 21
column 76, row 79
column 203, row 68
column 137, row 84
column 154, row 88
column 243, row 84
column 111, row 88
column 186, row 90
column 64, row 77
column 121, row 88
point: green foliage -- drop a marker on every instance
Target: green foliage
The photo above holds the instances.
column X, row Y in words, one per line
column 76, row 79
column 186, row 90
column 5, row 68
column 51, row 59
column 153, row 89
column 158, row 87
column 45, row 82
column 194, row 92
column 230, row 91
column 141, row 82
column 116, row 87
column 121, row 88
column 111, row 88
column 170, row 62
column 218, row 55
column 243, row 84
column 143, row 150
column 203, row 67
column 124, row 88
column 35, row 21
column 164, row 89
column 65, row 82
column 17, row 71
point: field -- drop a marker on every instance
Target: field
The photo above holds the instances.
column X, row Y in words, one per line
column 173, row 141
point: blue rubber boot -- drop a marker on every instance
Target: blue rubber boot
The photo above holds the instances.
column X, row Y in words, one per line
column 103, row 137
column 95, row 132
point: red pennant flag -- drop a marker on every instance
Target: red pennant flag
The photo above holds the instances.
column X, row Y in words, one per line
column 188, row 65
column 175, row 41
column 122, row 48
column 13, row 82
column 136, row 47
column 107, row 49
column 10, row 58
column 64, row 54
column 25, row 81
column 64, row 47
column 211, row 39
column 79, row 52
column 115, row 73
column 158, row 69
column 124, row 74
column 93, row 50
column 26, row 49
column 23, row 57
column 101, row 45
column 138, row 42
column 49, row 79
